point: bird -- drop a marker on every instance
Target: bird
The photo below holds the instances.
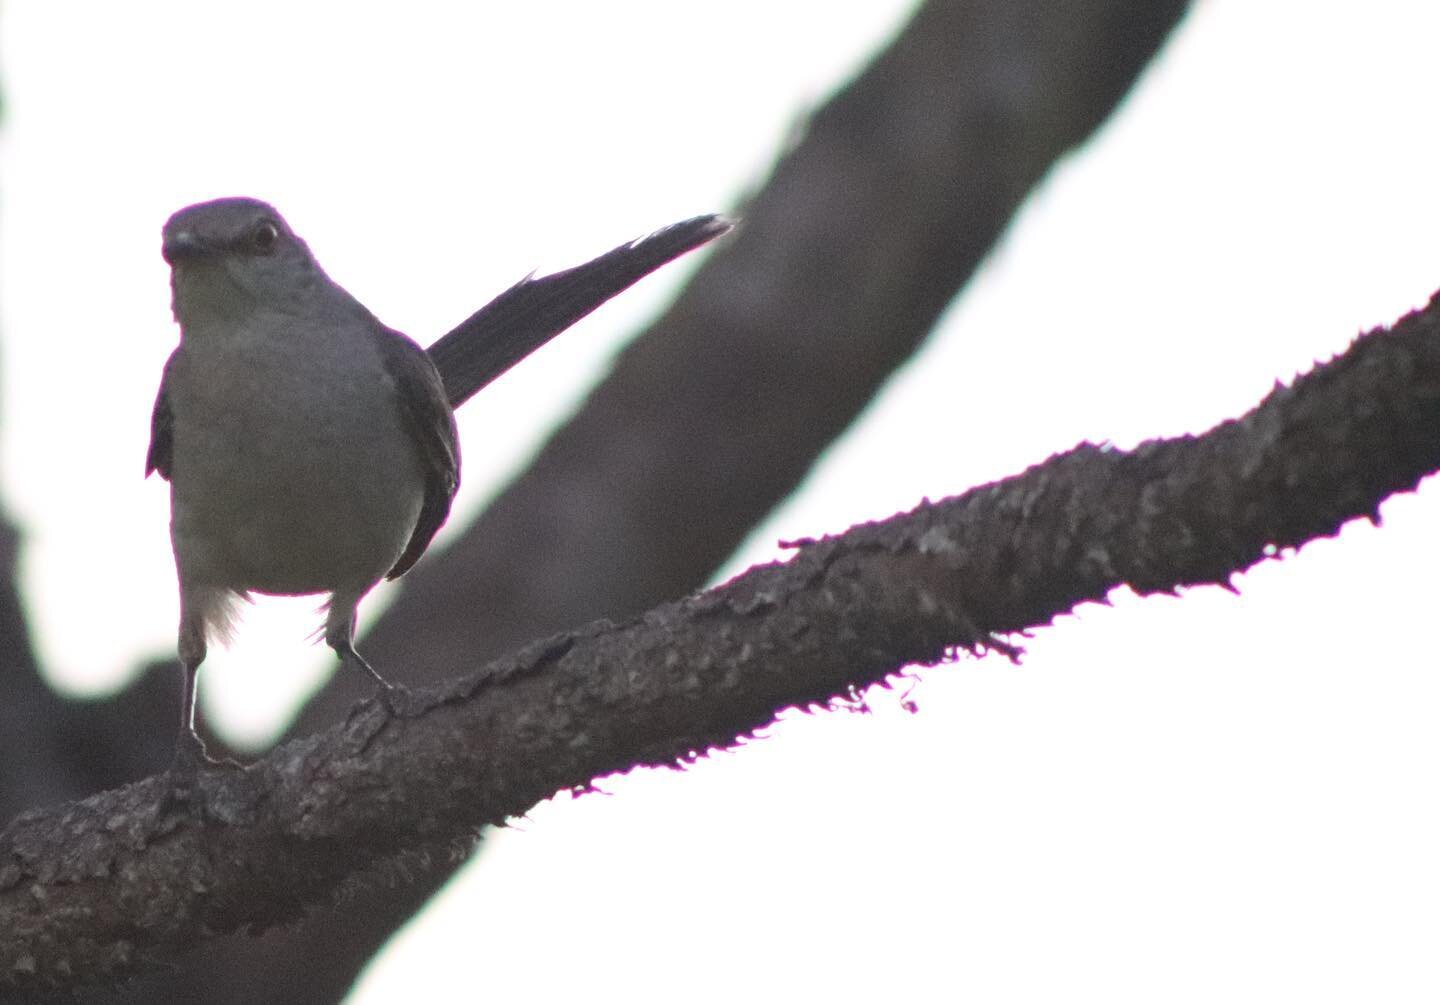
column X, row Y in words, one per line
column 311, row 449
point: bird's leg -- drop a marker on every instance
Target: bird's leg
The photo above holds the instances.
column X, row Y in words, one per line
column 190, row 756
column 340, row 635
column 189, row 748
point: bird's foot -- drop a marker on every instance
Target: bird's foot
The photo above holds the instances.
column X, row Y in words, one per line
column 400, row 701
column 185, row 779
column 390, row 702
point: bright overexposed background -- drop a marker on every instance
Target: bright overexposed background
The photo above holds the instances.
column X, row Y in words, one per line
column 1195, row 799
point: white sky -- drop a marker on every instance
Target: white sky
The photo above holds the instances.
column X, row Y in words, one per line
column 1209, row 798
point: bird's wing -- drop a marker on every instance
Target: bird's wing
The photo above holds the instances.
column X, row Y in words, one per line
column 428, row 418
column 162, row 427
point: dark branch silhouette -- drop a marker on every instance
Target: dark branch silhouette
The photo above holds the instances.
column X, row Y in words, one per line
column 96, row 889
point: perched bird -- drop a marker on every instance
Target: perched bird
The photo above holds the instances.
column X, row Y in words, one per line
column 309, row 448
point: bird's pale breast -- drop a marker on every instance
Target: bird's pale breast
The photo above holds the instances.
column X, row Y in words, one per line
column 291, row 471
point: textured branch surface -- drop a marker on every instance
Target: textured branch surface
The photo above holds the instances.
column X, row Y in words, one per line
column 98, row 888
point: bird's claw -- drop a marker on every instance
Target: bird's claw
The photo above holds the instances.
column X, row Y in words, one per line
column 400, row 701
column 184, row 784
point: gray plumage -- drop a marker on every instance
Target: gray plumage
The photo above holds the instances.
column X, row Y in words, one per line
column 309, row 448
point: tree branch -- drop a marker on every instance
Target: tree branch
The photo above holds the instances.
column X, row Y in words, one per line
column 868, row 226
column 888, row 201
column 96, row 889
column 891, row 197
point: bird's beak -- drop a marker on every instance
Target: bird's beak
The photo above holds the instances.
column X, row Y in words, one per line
column 182, row 245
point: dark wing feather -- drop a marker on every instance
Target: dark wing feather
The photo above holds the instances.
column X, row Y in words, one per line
column 430, row 421
column 162, row 428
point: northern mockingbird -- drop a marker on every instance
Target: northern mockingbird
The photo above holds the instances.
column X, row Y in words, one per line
column 309, row 448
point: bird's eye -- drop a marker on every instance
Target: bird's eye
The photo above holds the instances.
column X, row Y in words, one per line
column 264, row 237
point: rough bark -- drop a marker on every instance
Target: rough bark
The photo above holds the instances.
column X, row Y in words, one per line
column 94, row 889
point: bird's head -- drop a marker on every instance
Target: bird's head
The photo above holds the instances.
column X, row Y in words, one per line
column 229, row 257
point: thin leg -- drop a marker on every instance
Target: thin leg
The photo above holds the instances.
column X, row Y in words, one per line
column 189, row 748
column 339, row 636
column 190, row 754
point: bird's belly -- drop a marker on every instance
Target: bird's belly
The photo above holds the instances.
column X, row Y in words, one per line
column 270, row 492
column 293, row 535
